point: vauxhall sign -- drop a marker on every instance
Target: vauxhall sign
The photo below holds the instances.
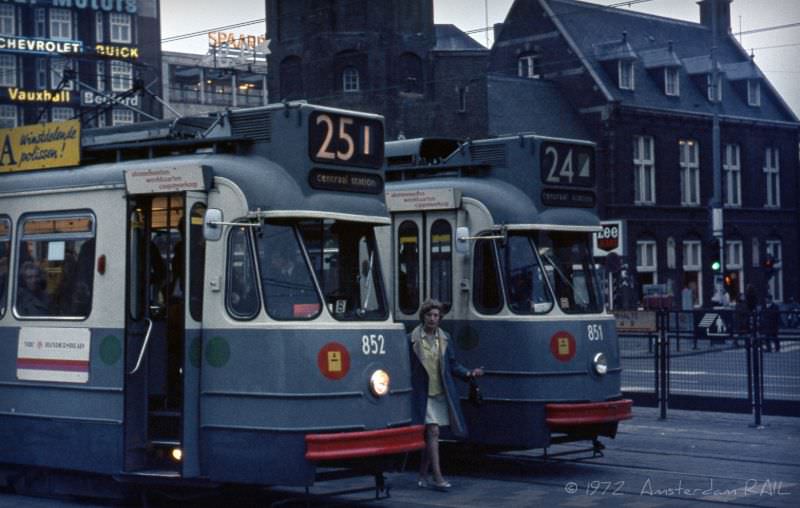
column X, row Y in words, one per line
column 124, row 6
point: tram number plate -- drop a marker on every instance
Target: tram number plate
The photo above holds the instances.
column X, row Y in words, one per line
column 373, row 344
column 345, row 140
column 594, row 332
column 567, row 164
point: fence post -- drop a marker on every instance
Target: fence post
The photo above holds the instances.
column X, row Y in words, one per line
column 758, row 367
column 663, row 366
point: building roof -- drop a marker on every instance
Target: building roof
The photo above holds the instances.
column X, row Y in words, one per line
column 450, row 38
column 654, row 42
column 539, row 107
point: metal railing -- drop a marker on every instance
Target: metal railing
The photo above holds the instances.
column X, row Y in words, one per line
column 718, row 360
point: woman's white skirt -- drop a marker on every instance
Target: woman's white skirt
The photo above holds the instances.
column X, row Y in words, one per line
column 436, row 411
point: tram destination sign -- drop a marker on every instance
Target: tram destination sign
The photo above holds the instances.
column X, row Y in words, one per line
column 345, row 181
column 567, row 164
column 341, row 139
column 569, row 198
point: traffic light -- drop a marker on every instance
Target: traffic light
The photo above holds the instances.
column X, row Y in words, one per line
column 716, row 265
column 769, row 265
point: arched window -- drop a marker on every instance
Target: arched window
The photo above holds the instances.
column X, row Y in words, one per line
column 410, row 77
column 291, row 78
column 350, row 80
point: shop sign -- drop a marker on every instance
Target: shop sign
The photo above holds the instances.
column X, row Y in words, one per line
column 51, row 96
column 117, row 51
column 43, row 46
column 89, row 98
column 241, row 41
column 610, row 239
column 40, row 146
column 125, row 6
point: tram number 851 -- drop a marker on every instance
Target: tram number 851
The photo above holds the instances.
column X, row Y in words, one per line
column 594, row 332
column 373, row 344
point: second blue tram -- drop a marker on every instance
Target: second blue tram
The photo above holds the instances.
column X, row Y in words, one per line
column 201, row 300
column 500, row 230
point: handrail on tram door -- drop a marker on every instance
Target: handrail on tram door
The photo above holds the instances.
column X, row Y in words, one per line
column 144, row 346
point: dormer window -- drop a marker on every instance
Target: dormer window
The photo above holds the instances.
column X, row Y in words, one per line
column 625, row 74
column 528, row 66
column 351, row 81
column 753, row 92
column 714, row 89
column 672, row 81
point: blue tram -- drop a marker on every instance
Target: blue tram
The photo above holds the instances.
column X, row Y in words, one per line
column 499, row 230
column 202, row 300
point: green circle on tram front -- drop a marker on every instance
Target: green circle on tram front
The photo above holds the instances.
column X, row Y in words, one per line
column 218, row 352
column 110, row 350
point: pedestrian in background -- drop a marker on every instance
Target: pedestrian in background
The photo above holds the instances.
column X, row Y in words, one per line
column 770, row 324
column 433, row 368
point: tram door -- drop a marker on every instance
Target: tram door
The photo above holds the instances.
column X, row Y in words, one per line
column 160, row 231
column 424, row 260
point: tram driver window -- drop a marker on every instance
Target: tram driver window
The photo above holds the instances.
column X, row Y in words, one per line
column 567, row 259
column 486, row 297
column 526, row 289
column 55, row 264
column 241, row 287
column 5, row 254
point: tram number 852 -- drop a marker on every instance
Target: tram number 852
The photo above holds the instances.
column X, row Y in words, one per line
column 373, row 344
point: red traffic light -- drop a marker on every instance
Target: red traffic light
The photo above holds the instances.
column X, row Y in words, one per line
column 769, row 262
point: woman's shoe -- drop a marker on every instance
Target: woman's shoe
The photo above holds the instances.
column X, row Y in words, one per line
column 442, row 486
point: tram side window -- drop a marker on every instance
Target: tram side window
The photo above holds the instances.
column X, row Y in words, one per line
column 197, row 246
column 5, row 254
column 408, row 267
column 242, row 286
column 441, row 256
column 55, row 264
column 486, row 295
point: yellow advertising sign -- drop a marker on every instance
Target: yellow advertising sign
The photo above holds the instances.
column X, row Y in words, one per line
column 40, row 146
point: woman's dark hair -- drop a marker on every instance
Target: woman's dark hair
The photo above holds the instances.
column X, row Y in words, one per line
column 427, row 306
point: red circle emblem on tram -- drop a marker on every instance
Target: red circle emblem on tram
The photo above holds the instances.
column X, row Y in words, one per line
column 333, row 360
column 562, row 345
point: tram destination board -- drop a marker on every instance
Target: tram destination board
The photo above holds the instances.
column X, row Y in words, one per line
column 567, row 164
column 345, row 140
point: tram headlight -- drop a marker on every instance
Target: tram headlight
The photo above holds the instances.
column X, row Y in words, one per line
column 379, row 383
column 600, row 363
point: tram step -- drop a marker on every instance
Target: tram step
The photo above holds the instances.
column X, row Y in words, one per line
column 165, row 443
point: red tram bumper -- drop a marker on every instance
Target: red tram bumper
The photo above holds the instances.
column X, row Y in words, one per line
column 575, row 416
column 370, row 443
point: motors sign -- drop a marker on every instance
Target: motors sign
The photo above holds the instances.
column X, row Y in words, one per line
column 609, row 239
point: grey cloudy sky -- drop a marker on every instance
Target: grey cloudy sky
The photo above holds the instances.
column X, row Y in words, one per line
column 777, row 52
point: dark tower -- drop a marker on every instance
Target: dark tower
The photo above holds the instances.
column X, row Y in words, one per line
column 380, row 57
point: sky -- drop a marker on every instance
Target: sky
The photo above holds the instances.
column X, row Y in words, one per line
column 777, row 52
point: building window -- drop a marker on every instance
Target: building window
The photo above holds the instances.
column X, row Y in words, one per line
column 350, row 80
column 41, row 73
column 732, row 171
column 690, row 172
column 411, row 78
column 122, row 116
column 528, row 66
column 60, row 74
column 98, row 27
column 646, row 264
column 60, row 24
column 644, row 179
column 462, row 99
column 753, row 92
column 7, row 20
column 672, row 83
column 121, row 76
column 8, row 70
column 775, row 282
column 714, row 89
column 40, row 23
column 8, row 116
column 61, row 114
column 692, row 269
column 101, row 76
column 120, row 27
column 772, row 174
column 626, row 74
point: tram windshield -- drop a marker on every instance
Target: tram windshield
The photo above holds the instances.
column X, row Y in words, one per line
column 567, row 259
column 345, row 259
column 524, row 279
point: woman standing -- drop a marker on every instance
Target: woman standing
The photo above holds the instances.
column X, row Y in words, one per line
column 433, row 368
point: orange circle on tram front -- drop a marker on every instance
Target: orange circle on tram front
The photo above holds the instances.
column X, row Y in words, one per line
column 562, row 345
column 333, row 360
